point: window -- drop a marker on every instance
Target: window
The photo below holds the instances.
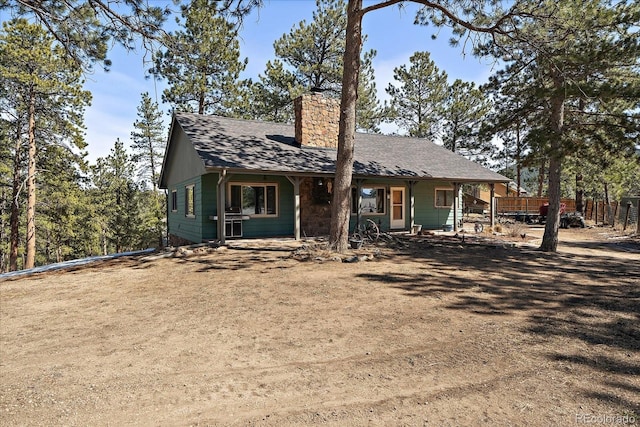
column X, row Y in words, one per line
column 444, row 198
column 254, row 199
column 373, row 201
column 174, row 200
column 321, row 191
column 189, row 201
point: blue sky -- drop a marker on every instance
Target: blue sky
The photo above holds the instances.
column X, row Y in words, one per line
column 390, row 31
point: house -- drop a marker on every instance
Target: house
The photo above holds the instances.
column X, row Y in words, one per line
column 231, row 178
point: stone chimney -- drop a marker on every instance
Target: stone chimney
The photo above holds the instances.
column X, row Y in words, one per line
column 317, row 120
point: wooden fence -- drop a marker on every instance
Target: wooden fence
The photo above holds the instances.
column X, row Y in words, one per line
column 614, row 213
column 529, row 205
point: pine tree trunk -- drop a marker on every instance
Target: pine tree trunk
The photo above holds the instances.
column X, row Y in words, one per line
column 550, row 236
column 579, row 193
column 201, row 104
column 541, row 176
column 607, row 204
column 518, row 161
column 14, row 219
column 31, row 186
column 340, row 205
column 152, row 163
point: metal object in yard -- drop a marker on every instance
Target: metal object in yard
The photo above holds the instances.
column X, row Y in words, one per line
column 571, row 219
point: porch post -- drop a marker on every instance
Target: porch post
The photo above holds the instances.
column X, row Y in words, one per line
column 221, row 202
column 456, row 189
column 412, row 206
column 492, row 206
column 296, row 202
column 359, row 193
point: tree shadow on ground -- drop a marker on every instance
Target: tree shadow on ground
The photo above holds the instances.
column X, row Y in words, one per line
column 592, row 299
column 619, row 245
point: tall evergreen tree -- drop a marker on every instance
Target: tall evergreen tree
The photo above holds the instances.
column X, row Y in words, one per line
column 369, row 113
column 48, row 96
column 509, row 120
column 202, row 63
column 418, row 96
column 584, row 59
column 148, row 140
column 65, row 225
column 148, row 143
column 314, row 50
column 479, row 17
column 6, row 158
column 464, row 109
column 310, row 57
column 271, row 97
column 116, row 195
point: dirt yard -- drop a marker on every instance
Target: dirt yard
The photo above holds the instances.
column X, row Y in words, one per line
column 429, row 332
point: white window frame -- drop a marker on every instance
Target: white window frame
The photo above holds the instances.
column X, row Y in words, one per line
column 435, row 197
column 189, row 189
column 257, row 184
column 373, row 187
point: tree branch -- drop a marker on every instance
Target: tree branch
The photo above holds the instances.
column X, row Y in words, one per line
column 379, row 6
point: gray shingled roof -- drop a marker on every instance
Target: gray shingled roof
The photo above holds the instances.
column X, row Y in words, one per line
column 262, row 146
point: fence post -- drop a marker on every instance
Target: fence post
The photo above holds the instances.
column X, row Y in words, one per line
column 615, row 214
column 626, row 216
column 638, row 218
column 596, row 206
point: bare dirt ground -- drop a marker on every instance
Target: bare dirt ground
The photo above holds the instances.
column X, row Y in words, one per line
column 431, row 332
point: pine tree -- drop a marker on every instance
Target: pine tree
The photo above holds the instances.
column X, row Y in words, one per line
column 418, row 96
column 64, row 222
column 6, row 158
column 48, row 100
column 313, row 50
column 148, row 141
column 202, row 63
column 480, row 17
column 271, row 97
column 148, row 148
column 369, row 113
column 583, row 59
column 310, row 57
column 116, row 195
column 463, row 111
column 84, row 29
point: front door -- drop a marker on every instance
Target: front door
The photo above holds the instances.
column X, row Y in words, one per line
column 397, row 208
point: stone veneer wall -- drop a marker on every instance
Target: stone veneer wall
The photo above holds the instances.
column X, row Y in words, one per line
column 317, row 120
column 315, row 218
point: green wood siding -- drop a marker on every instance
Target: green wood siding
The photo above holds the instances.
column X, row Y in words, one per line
column 426, row 214
column 209, row 203
column 182, row 163
column 202, row 228
column 279, row 225
column 189, row 228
